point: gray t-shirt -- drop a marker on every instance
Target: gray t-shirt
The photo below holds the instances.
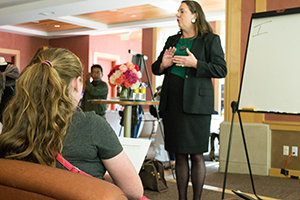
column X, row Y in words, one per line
column 89, row 139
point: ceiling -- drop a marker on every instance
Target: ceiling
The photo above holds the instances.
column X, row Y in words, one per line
column 63, row 18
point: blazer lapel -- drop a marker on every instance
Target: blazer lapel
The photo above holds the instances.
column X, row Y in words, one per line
column 176, row 38
column 198, row 48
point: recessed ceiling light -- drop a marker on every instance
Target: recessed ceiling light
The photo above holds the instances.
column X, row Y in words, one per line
column 132, row 15
column 56, row 26
column 46, row 13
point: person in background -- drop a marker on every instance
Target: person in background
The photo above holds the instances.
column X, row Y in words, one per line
column 139, row 112
column 189, row 60
column 8, row 75
column 97, row 89
column 41, row 122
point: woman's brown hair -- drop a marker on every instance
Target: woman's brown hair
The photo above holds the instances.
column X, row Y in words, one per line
column 36, row 119
column 201, row 25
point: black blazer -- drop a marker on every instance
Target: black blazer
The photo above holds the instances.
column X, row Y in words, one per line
column 198, row 92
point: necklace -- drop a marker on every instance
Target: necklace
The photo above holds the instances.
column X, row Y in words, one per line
column 184, row 45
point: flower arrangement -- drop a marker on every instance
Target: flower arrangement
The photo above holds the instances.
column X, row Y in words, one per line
column 126, row 75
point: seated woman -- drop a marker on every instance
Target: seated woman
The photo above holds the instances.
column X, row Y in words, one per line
column 41, row 119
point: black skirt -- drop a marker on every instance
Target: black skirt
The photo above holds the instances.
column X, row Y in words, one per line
column 185, row 133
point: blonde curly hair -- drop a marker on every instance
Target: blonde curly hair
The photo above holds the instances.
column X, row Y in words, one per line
column 36, row 119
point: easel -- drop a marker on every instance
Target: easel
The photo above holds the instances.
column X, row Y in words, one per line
column 240, row 194
column 278, row 66
column 141, row 62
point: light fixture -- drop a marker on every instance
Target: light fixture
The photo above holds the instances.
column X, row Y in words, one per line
column 46, row 13
column 57, row 26
column 125, row 36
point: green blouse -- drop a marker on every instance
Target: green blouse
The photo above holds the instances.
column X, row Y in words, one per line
column 187, row 42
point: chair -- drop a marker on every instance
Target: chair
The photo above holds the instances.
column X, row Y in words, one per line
column 30, row 181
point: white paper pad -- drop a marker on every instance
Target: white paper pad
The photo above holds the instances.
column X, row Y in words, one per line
column 136, row 149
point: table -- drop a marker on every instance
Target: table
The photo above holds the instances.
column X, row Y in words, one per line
column 127, row 110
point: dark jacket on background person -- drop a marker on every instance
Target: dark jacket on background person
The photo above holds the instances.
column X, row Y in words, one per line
column 98, row 90
column 8, row 75
column 198, row 93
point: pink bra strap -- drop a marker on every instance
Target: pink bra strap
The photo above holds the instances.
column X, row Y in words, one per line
column 69, row 166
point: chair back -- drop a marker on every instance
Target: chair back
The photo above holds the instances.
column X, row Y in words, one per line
column 30, row 181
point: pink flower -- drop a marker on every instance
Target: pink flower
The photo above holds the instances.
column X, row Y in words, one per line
column 132, row 77
column 127, row 84
column 131, row 66
column 127, row 74
column 117, row 82
column 137, row 73
column 123, row 68
column 122, row 78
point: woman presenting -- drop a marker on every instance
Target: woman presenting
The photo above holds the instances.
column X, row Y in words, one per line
column 189, row 60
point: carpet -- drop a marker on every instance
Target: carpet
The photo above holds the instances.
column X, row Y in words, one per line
column 266, row 187
column 171, row 193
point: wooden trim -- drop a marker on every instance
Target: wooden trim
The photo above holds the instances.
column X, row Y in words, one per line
column 260, row 5
column 156, row 37
column 156, row 33
column 217, row 93
column 106, row 56
column 218, row 28
column 124, row 103
column 283, row 126
column 232, row 55
column 217, row 89
column 276, row 172
column 16, row 53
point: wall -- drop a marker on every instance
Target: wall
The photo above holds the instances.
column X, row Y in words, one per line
column 280, row 138
column 248, row 7
column 258, row 139
column 113, row 46
column 148, row 49
column 82, row 46
column 79, row 45
column 25, row 44
column 28, row 45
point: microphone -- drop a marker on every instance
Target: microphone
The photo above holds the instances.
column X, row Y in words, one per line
column 137, row 54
